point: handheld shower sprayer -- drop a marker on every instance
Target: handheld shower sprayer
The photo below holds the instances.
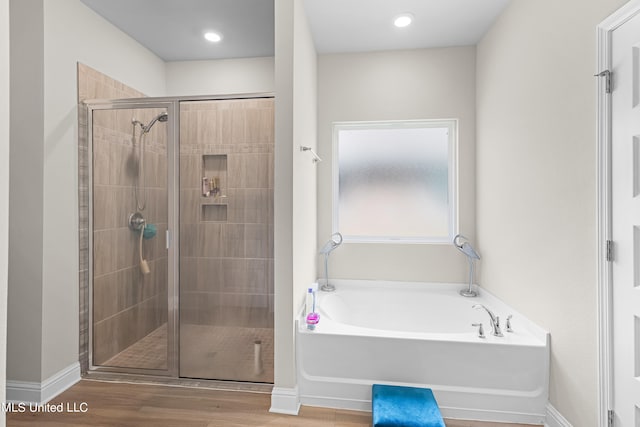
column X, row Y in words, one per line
column 463, row 245
column 330, row 246
column 162, row 117
column 144, row 265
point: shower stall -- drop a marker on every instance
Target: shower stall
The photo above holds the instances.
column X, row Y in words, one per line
column 180, row 237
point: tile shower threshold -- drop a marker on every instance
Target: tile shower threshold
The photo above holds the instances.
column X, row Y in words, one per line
column 116, row 377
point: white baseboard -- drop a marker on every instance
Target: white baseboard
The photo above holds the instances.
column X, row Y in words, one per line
column 41, row 393
column 447, row 412
column 285, row 401
column 555, row 418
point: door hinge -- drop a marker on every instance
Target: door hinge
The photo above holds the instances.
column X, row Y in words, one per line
column 609, row 250
column 610, row 417
column 607, row 75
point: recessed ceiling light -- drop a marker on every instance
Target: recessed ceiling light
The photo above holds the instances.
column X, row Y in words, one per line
column 212, row 37
column 403, row 20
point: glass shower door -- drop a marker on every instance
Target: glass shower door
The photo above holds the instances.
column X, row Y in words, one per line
column 130, row 328
column 226, row 239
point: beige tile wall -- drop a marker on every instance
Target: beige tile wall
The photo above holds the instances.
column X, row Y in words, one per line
column 127, row 305
column 226, row 265
column 91, row 85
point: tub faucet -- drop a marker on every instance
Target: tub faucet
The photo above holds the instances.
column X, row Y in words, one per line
column 495, row 320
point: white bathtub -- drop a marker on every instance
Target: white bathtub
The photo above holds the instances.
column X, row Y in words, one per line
column 420, row 334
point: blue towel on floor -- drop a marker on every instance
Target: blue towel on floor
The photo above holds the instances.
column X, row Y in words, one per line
column 396, row 406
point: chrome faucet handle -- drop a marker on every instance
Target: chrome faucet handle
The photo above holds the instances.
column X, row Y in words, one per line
column 496, row 328
column 508, row 327
column 480, row 330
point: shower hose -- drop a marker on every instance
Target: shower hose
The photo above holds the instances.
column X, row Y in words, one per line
column 144, row 266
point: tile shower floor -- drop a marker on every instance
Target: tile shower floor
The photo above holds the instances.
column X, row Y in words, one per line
column 148, row 353
column 207, row 352
column 226, row 353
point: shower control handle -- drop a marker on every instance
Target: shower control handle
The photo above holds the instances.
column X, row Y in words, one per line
column 136, row 221
column 480, row 330
column 508, row 326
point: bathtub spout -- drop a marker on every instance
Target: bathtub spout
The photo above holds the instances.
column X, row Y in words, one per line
column 495, row 320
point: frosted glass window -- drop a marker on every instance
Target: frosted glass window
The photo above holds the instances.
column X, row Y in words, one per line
column 395, row 181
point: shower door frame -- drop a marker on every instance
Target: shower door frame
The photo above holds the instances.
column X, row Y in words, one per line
column 172, row 104
column 173, row 127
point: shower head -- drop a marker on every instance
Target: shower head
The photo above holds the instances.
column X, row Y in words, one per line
column 162, row 117
column 463, row 245
column 333, row 243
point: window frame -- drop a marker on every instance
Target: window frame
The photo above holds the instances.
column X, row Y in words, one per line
column 453, row 190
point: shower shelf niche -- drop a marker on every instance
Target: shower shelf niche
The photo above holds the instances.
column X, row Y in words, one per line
column 214, row 207
column 214, row 213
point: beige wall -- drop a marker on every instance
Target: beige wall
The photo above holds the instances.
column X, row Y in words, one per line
column 304, row 169
column 536, row 182
column 295, row 189
column 4, row 192
column 24, row 316
column 397, row 85
column 284, row 363
column 217, row 77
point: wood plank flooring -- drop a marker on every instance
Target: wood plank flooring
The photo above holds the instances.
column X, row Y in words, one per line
column 142, row 405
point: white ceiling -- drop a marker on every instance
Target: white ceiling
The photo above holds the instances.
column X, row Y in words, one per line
column 173, row 29
column 367, row 25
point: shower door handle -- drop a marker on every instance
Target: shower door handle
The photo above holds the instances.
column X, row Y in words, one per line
column 168, row 239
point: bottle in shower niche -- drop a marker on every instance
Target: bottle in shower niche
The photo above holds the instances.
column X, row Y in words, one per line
column 216, row 186
column 212, row 187
column 312, row 317
column 205, row 187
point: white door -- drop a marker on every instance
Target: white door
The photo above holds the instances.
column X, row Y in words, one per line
column 625, row 190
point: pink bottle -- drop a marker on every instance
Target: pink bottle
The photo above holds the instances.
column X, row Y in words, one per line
column 312, row 317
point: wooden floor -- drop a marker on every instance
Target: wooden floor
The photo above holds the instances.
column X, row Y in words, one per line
column 96, row 403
